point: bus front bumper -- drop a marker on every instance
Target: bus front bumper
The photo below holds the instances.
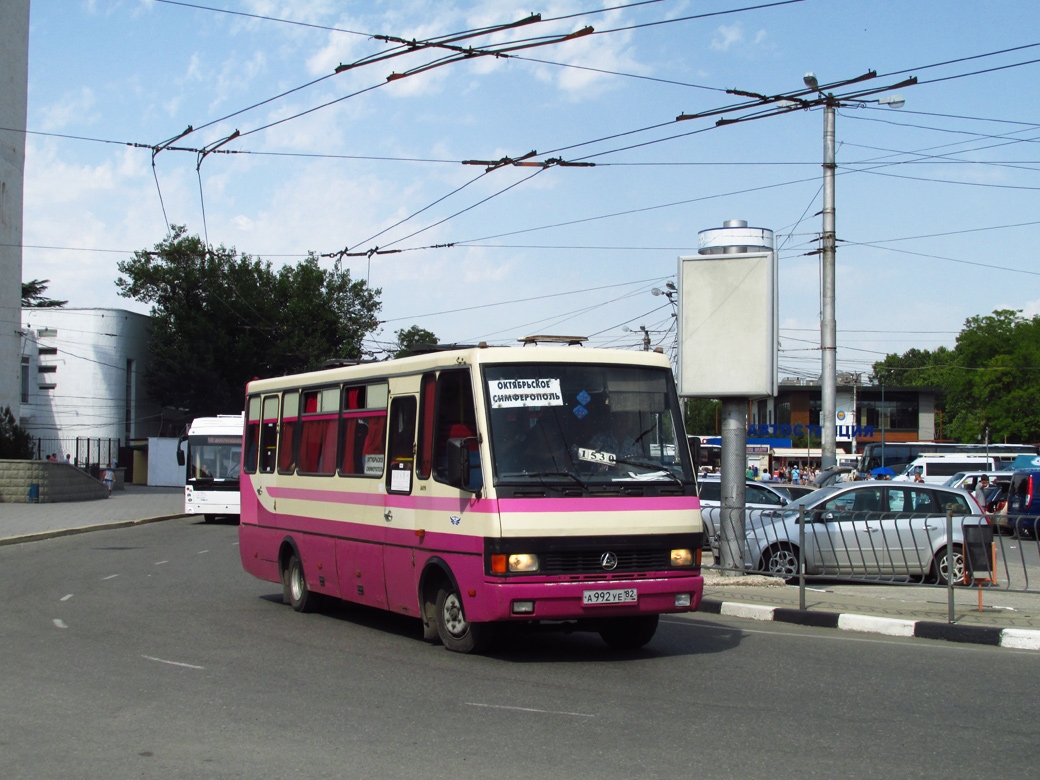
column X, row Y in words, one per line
column 587, row 599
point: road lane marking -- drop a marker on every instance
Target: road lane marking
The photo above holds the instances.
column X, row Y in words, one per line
column 59, row 623
column 66, row 597
column 172, row 663
column 160, row 563
column 529, row 709
column 203, row 552
column 110, row 577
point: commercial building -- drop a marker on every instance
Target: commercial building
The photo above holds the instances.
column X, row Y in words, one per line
column 81, row 378
column 865, row 413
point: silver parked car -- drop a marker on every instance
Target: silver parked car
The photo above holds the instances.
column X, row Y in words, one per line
column 875, row 527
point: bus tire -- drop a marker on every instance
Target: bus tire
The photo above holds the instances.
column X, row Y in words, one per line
column 629, row 633
column 294, row 586
column 456, row 633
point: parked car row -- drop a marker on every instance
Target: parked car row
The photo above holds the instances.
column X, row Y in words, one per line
column 872, row 527
column 862, row 528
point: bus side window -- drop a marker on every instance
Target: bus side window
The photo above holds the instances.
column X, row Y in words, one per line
column 269, row 434
column 252, row 434
column 287, row 444
column 362, row 427
column 424, row 453
column 456, row 418
column 400, row 445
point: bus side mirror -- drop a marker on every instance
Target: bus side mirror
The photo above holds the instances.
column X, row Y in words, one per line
column 458, row 462
column 180, row 450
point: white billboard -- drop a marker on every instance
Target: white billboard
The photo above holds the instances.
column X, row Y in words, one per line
column 728, row 325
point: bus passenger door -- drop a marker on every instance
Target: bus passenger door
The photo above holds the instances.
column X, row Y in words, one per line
column 399, row 507
column 362, row 455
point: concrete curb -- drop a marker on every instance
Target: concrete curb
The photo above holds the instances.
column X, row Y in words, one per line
column 42, row 535
column 1018, row 638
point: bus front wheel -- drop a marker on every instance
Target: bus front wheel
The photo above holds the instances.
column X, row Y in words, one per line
column 457, row 633
column 294, row 587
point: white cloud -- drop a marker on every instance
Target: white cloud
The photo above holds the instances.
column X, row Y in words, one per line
column 727, row 36
column 1030, row 308
column 73, row 109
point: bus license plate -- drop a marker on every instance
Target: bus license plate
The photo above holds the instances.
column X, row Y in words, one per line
column 594, row 597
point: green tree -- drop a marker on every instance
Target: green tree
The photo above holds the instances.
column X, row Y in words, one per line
column 33, row 298
column 702, row 416
column 220, row 319
column 15, row 442
column 999, row 381
column 988, row 381
column 410, row 338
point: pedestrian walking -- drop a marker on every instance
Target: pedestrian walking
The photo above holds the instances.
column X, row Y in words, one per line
column 109, row 478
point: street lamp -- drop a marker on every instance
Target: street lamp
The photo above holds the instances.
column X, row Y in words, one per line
column 646, row 335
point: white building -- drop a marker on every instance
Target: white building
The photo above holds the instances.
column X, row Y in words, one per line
column 81, row 377
column 14, row 78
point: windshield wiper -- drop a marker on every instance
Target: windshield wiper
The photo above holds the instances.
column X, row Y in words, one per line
column 543, row 474
column 646, row 464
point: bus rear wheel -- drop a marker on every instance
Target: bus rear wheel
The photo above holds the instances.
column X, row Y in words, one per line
column 456, row 633
column 294, row 587
column 629, row 633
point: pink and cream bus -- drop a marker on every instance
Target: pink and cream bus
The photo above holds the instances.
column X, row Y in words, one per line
column 472, row 487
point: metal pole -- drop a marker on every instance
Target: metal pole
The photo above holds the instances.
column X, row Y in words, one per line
column 734, row 468
column 801, row 558
column 882, row 421
column 949, row 563
column 828, row 333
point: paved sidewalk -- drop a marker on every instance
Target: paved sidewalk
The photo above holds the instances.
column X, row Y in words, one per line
column 1006, row 619
column 134, row 504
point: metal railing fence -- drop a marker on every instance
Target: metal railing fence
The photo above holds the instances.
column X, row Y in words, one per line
column 90, row 454
column 883, row 547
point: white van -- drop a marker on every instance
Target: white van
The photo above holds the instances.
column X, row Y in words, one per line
column 939, row 468
column 969, row 479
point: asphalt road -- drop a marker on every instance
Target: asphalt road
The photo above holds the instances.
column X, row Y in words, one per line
column 146, row 652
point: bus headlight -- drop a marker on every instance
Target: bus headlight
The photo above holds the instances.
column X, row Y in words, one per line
column 682, row 558
column 523, row 562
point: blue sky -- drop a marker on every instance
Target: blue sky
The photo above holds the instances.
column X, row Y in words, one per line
column 937, row 215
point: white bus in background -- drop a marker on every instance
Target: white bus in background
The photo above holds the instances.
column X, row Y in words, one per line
column 939, row 468
column 212, row 452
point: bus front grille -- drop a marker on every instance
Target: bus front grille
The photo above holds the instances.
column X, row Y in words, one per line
column 591, row 561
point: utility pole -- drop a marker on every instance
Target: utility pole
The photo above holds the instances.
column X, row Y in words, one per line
column 829, row 327
column 828, row 323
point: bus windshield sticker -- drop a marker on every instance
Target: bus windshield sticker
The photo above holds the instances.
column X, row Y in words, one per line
column 595, row 456
column 511, row 393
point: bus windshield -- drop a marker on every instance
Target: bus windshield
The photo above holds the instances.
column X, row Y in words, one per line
column 214, row 458
column 585, row 423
